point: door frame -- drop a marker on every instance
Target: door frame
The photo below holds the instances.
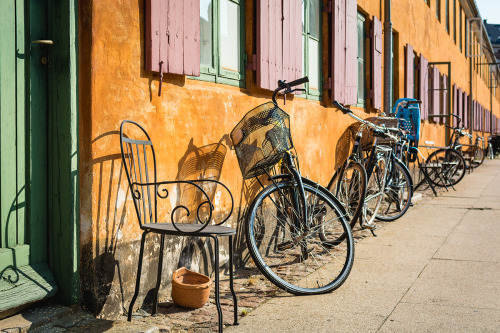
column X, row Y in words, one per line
column 63, row 150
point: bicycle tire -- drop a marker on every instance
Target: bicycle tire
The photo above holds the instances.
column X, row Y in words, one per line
column 478, row 157
column 398, row 193
column 374, row 192
column 276, row 243
column 454, row 170
column 348, row 185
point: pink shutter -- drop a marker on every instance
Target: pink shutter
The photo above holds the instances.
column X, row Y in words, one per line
column 435, row 91
column 264, row 66
column 444, row 103
column 191, row 52
column 338, row 60
column 152, row 35
column 465, row 113
column 279, row 42
column 351, row 52
column 292, row 40
column 424, row 86
column 376, row 46
column 409, row 63
column 455, row 105
column 460, row 103
column 172, row 36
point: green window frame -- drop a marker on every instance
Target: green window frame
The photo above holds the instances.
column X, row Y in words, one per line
column 361, row 57
column 311, row 42
column 211, row 56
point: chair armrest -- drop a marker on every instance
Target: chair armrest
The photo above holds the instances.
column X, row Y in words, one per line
column 137, row 195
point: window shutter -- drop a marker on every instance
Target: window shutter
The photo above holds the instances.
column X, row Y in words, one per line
column 344, row 51
column 455, row 105
column 461, row 97
column 351, row 52
column 292, row 40
column 377, row 63
column 444, row 103
column 338, row 67
column 435, row 91
column 424, row 86
column 173, row 36
column 409, row 63
column 465, row 112
column 279, row 42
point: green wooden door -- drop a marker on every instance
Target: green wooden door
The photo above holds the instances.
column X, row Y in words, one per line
column 24, row 273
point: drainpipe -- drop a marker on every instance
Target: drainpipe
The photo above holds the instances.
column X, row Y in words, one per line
column 387, row 57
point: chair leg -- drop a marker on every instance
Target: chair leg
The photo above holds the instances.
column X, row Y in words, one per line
column 138, row 278
column 158, row 277
column 217, row 297
column 235, row 299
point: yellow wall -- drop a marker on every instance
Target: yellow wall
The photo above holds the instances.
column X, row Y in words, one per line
column 193, row 114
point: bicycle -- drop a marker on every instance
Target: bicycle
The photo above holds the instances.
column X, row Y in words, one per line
column 297, row 232
column 475, row 152
column 446, row 166
column 366, row 170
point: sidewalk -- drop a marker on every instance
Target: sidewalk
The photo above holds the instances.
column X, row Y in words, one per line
column 437, row 269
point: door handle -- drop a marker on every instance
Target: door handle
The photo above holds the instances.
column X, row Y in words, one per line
column 43, row 41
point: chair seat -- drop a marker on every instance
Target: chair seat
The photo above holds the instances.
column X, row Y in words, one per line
column 188, row 229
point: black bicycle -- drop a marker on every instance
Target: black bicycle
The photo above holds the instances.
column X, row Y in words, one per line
column 297, row 232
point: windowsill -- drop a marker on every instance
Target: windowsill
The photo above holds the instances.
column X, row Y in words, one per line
column 310, row 97
column 218, row 79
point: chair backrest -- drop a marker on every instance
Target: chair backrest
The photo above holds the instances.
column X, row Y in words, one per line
column 139, row 160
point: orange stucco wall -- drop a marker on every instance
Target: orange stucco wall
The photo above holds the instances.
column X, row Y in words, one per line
column 190, row 116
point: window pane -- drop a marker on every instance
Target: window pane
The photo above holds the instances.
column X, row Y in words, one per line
column 206, row 23
column 314, row 18
column 230, row 35
column 304, row 71
column 361, row 80
column 304, row 16
column 314, row 64
column 361, row 38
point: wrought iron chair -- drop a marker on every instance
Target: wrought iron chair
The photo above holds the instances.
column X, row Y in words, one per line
column 138, row 157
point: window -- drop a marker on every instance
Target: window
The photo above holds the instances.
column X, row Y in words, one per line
column 447, row 15
column 438, row 9
column 460, row 28
column 222, row 41
column 395, row 67
column 361, row 60
column 311, row 45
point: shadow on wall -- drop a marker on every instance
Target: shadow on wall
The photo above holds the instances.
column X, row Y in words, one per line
column 110, row 246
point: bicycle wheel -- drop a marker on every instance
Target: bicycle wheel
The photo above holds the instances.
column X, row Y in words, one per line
column 375, row 188
column 478, row 157
column 302, row 256
column 397, row 194
column 349, row 187
column 452, row 167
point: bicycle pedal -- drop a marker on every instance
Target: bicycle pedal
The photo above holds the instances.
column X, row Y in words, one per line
column 285, row 246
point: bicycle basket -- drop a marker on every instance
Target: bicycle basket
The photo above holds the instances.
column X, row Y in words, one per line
column 368, row 138
column 261, row 138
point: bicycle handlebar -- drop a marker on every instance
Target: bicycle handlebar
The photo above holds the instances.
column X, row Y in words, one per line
column 382, row 129
column 283, row 85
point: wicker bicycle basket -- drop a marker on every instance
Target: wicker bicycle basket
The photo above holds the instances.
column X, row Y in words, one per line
column 368, row 138
column 261, row 138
